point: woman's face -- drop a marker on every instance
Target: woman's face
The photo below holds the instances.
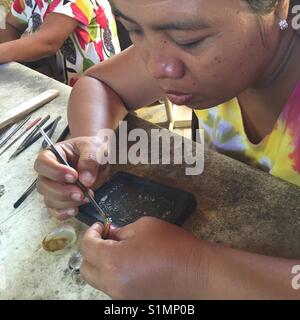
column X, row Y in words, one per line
column 201, row 52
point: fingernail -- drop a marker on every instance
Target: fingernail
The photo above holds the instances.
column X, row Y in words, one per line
column 86, row 177
column 99, row 226
column 71, row 212
column 70, row 178
column 86, row 200
column 76, row 196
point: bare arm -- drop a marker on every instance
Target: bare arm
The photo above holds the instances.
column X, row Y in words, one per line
column 234, row 274
column 100, row 99
column 45, row 42
column 93, row 106
column 97, row 102
column 126, row 74
column 144, row 254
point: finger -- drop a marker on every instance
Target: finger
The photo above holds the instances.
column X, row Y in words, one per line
column 95, row 231
column 113, row 233
column 58, row 191
column 142, row 226
column 47, row 165
column 123, row 233
column 93, row 248
column 87, row 164
column 58, row 205
column 64, row 213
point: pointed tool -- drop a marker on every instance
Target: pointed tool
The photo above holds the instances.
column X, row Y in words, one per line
column 32, row 187
column 31, row 138
column 51, row 131
column 18, row 127
column 31, row 125
column 105, row 219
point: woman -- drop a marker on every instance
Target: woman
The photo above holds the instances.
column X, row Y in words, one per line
column 83, row 30
column 202, row 54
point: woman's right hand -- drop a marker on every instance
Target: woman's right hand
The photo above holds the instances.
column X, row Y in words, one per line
column 56, row 181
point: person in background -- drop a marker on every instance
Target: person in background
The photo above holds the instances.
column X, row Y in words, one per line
column 83, row 31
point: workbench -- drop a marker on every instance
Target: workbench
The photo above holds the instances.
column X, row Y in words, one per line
column 238, row 206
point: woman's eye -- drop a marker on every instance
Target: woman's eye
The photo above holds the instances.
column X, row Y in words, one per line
column 135, row 32
column 189, row 45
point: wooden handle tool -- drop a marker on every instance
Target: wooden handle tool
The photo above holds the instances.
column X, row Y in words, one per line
column 27, row 107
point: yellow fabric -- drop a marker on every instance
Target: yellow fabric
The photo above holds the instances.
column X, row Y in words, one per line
column 278, row 153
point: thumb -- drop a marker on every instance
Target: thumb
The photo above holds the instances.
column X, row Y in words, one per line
column 95, row 231
column 99, row 231
column 90, row 243
column 87, row 165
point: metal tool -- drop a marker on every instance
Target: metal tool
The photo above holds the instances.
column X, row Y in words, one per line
column 31, row 125
column 32, row 187
column 106, row 220
column 18, row 127
column 6, row 131
column 31, row 138
column 35, row 131
column 25, row 194
column 51, row 131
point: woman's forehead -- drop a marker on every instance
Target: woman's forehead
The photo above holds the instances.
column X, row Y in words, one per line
column 206, row 12
column 180, row 7
column 147, row 2
column 159, row 3
column 191, row 4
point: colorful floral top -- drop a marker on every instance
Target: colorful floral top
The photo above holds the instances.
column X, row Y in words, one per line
column 94, row 39
column 278, row 153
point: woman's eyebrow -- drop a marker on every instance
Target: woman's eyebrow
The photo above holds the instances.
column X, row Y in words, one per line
column 118, row 13
column 176, row 25
column 182, row 25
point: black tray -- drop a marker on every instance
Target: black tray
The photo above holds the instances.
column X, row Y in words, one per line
column 126, row 198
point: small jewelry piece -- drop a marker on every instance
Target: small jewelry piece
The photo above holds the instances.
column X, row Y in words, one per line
column 283, row 24
column 74, row 268
column 74, row 263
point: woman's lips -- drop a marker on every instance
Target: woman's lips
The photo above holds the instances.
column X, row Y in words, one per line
column 179, row 98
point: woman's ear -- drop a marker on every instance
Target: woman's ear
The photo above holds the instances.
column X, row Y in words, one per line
column 282, row 9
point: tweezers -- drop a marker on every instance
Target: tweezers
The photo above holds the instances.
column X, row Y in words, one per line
column 105, row 219
column 32, row 187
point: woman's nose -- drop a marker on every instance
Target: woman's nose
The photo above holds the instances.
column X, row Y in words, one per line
column 163, row 65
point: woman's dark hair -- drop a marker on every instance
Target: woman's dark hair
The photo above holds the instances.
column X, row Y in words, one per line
column 266, row 6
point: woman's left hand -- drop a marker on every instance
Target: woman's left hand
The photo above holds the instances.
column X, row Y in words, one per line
column 148, row 259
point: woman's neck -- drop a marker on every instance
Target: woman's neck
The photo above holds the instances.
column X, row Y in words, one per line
column 282, row 63
column 262, row 104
